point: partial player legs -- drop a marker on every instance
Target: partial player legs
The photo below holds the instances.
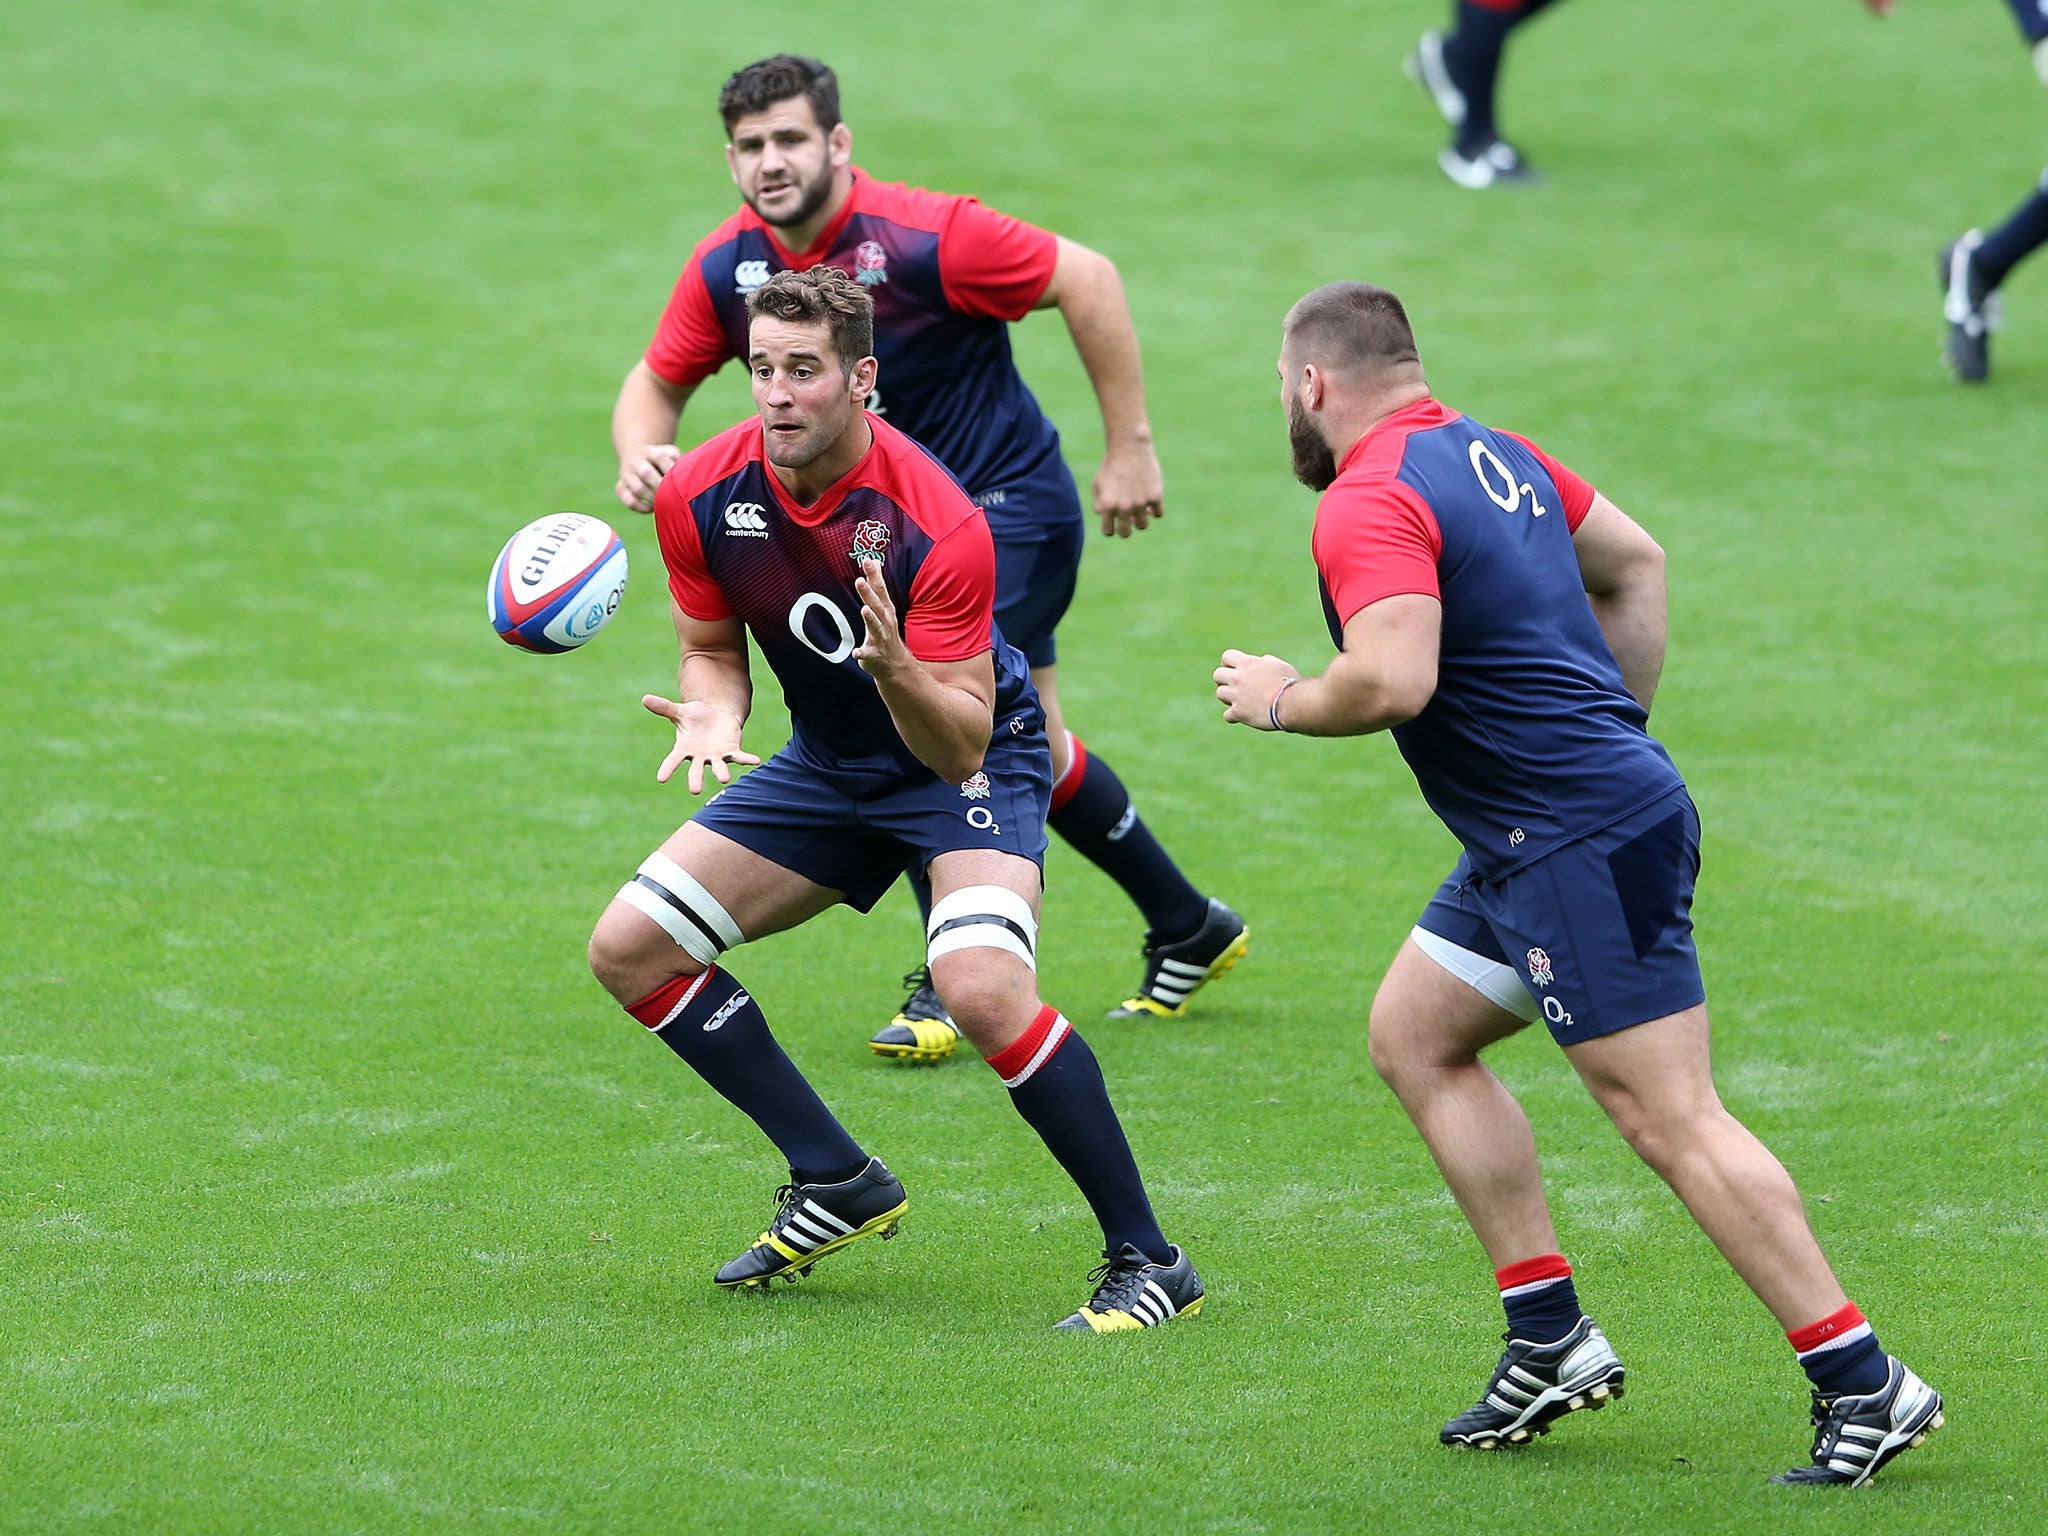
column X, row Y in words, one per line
column 983, row 948
column 659, row 949
column 1656, row 1083
column 1459, row 70
column 1190, row 939
column 1428, row 1028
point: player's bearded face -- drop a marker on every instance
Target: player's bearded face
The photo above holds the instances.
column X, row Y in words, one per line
column 782, row 162
column 1314, row 465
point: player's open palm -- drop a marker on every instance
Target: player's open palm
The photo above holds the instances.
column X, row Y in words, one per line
column 706, row 735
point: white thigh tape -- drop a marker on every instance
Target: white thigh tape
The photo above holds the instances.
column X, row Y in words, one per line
column 691, row 915
column 1498, row 984
column 983, row 917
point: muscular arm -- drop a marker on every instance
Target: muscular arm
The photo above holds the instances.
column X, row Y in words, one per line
column 1385, row 675
column 1090, row 298
column 644, row 425
column 943, row 710
column 714, row 695
column 1623, row 571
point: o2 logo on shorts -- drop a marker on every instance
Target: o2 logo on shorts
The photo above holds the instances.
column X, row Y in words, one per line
column 1555, row 1011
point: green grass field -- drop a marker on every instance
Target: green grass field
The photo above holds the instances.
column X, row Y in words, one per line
column 335, row 1196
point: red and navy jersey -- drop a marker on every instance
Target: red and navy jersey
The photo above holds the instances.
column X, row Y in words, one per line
column 946, row 275
column 1532, row 740
column 737, row 545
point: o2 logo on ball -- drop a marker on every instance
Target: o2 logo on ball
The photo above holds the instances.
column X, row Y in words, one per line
column 557, row 582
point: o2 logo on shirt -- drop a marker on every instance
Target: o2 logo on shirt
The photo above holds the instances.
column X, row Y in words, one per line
column 748, row 276
column 1504, row 493
column 842, row 631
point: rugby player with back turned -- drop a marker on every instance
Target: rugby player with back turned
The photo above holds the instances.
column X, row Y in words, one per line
column 867, row 579
column 1507, row 624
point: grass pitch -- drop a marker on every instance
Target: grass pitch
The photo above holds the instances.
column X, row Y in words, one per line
column 336, row 1196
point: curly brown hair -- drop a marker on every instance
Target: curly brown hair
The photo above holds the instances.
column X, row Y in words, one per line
column 820, row 296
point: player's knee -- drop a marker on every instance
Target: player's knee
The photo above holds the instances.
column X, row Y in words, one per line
column 1400, row 1045
column 989, row 996
column 630, row 959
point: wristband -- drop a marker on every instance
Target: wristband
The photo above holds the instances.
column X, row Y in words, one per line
column 1273, row 709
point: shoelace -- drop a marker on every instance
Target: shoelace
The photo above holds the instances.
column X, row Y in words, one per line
column 785, row 1202
column 918, row 979
column 1117, row 1282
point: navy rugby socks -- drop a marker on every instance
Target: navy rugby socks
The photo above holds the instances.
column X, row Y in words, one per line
column 2025, row 229
column 1472, row 53
column 716, row 1026
column 1056, row 1084
column 1840, row 1354
column 1541, row 1302
column 1092, row 810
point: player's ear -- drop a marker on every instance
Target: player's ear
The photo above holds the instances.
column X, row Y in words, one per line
column 861, row 378
column 1312, row 382
column 732, row 163
column 840, row 144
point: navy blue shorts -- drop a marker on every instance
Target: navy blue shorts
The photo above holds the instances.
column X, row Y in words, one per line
column 2032, row 15
column 1034, row 585
column 1599, row 931
column 857, row 830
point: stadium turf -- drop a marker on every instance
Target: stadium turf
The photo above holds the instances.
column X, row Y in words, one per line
column 335, row 1196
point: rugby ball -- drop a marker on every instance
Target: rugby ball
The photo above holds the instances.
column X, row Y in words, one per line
column 557, row 582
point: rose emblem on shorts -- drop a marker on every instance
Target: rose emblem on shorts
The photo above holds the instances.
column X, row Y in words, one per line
column 869, row 540
column 870, row 264
column 1539, row 968
column 975, row 788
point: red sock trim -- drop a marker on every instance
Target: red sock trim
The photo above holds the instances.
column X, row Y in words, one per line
column 1549, row 1266
column 663, row 1003
column 1068, row 784
column 1015, row 1062
column 1814, row 1335
column 1499, row 5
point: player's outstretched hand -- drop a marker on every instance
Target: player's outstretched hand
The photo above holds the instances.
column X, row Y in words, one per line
column 881, row 652
column 1246, row 687
column 640, row 474
column 705, row 734
column 1129, row 490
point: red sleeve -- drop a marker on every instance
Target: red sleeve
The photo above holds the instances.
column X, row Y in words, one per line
column 689, row 345
column 1375, row 541
column 689, row 582
column 1577, row 494
column 991, row 265
column 953, row 600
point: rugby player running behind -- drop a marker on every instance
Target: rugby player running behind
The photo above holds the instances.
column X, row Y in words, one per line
column 1507, row 624
column 946, row 276
column 867, row 579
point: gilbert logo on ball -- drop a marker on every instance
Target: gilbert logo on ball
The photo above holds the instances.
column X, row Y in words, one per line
column 557, row 582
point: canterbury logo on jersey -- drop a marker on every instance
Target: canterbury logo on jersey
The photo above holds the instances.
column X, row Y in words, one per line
column 749, row 275
column 745, row 519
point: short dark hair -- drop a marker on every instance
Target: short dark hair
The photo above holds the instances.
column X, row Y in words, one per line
column 1353, row 326
column 820, row 296
column 767, row 81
